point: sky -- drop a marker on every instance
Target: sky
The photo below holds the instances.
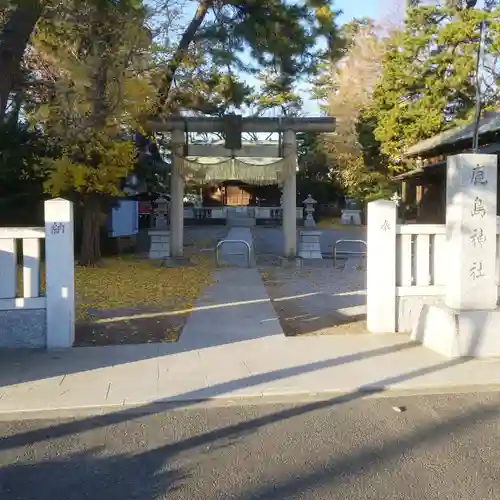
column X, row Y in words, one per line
column 359, row 8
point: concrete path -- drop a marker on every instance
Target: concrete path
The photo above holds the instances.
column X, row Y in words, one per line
column 232, row 346
column 94, row 377
column 235, row 308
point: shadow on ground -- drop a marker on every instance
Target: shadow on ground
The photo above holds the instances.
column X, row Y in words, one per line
column 90, row 473
column 205, row 394
column 317, row 301
column 146, row 325
column 152, row 474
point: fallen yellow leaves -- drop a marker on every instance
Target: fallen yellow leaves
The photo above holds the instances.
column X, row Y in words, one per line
column 129, row 285
column 334, row 223
column 124, row 282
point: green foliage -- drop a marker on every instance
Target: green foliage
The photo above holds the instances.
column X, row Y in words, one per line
column 96, row 167
column 22, row 151
column 284, row 39
column 280, row 35
column 427, row 82
column 315, row 175
column 275, row 93
column 313, row 162
column 99, row 99
column 205, row 89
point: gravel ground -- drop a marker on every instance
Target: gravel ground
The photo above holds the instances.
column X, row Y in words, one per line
column 317, row 301
column 318, row 298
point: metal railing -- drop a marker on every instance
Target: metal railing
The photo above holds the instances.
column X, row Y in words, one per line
column 202, row 213
column 222, row 242
column 348, row 252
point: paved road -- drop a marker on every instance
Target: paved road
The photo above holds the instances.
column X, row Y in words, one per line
column 442, row 447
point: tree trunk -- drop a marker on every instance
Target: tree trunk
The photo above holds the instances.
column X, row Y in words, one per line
column 180, row 53
column 90, row 249
column 14, row 39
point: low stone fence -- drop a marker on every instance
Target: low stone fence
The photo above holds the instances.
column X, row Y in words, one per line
column 30, row 316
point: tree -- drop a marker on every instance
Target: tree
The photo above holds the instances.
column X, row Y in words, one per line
column 89, row 107
column 22, row 152
column 346, row 89
column 280, row 35
column 275, row 93
column 427, row 82
column 316, row 172
column 19, row 21
column 95, row 108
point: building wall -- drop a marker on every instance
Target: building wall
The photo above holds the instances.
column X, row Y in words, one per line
column 424, row 197
column 235, row 193
column 237, row 196
column 432, row 205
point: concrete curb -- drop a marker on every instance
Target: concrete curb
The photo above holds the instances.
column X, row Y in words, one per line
column 172, row 404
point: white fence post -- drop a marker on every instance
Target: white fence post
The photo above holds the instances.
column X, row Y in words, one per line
column 381, row 267
column 60, row 270
column 8, row 262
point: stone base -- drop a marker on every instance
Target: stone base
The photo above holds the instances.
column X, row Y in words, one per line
column 23, row 328
column 309, row 245
column 351, row 217
column 160, row 244
column 456, row 334
column 310, row 223
column 291, row 262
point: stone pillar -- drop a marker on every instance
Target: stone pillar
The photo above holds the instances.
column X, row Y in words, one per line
column 290, row 196
column 60, row 273
column 381, row 267
column 177, row 195
column 471, row 215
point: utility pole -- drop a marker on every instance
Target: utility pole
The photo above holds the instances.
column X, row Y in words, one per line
column 470, row 4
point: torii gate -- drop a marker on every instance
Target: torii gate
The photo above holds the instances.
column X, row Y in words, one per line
column 233, row 126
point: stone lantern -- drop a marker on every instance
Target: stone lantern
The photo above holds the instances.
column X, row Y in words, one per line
column 309, row 243
column 161, row 213
column 351, row 214
column 160, row 235
column 309, row 203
